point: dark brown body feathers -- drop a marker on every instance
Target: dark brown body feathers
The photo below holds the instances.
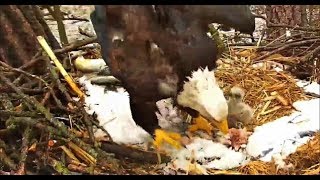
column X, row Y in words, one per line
column 149, row 73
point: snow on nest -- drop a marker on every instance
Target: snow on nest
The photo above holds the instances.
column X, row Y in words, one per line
column 275, row 139
column 210, row 154
column 113, row 112
column 312, row 87
column 283, row 136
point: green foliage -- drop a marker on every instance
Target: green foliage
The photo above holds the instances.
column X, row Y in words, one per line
column 216, row 37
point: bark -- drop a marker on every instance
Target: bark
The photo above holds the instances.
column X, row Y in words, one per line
column 283, row 14
column 19, row 27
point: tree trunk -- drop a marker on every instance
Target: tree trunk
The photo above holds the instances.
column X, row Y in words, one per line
column 19, row 27
column 283, row 14
column 304, row 20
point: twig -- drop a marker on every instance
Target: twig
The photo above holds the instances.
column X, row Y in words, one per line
column 88, row 124
column 70, row 154
column 58, row 17
column 28, row 91
column 104, row 130
column 37, row 57
column 270, row 25
column 76, row 45
column 29, row 83
column 62, row 88
column 261, row 37
column 28, row 100
column 6, row 161
column 276, row 39
column 59, row 130
column 45, row 98
column 3, row 145
column 24, row 151
column 55, row 164
column 276, row 46
column 311, row 54
column 20, row 114
column 5, row 102
column 63, row 72
column 56, row 79
column 17, row 90
column 259, row 59
column 18, row 79
column 83, row 169
column 82, row 154
column 307, row 49
column 56, row 100
column 69, row 18
column 241, row 44
column 62, row 131
column 313, row 94
column 23, row 72
column 5, row 133
column 299, row 40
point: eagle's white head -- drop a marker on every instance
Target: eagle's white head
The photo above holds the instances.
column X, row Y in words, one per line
column 202, row 93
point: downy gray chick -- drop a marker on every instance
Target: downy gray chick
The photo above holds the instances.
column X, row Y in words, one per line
column 239, row 112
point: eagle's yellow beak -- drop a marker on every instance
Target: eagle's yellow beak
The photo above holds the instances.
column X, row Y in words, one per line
column 222, row 126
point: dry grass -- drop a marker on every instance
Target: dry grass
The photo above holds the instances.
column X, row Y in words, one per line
column 306, row 161
column 268, row 92
column 258, row 167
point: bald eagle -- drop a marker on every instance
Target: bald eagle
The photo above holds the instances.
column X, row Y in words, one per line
column 238, row 111
column 159, row 52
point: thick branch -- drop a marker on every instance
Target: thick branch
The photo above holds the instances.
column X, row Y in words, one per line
column 270, row 25
column 76, row 45
column 127, row 152
column 259, row 59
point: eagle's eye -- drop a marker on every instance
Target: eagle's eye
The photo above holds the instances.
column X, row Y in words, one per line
column 238, row 96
